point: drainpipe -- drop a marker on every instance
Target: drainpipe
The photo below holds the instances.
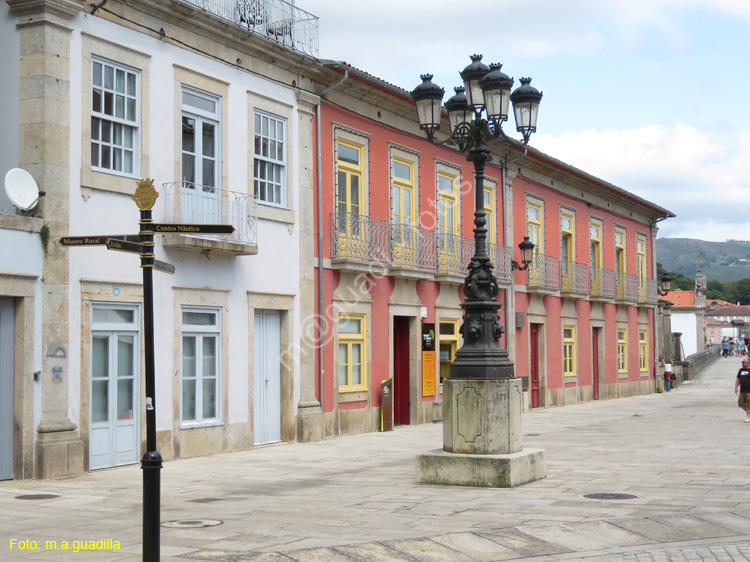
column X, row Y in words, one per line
column 512, row 292
column 321, row 320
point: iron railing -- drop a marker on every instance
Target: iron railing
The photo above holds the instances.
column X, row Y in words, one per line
column 603, row 283
column 543, row 273
column 192, row 203
column 650, row 296
column 275, row 19
column 413, row 247
column 501, row 258
column 574, row 277
column 360, row 238
column 627, row 286
column 454, row 254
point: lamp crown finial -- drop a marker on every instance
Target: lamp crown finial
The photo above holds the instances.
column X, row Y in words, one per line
column 476, row 58
column 426, row 77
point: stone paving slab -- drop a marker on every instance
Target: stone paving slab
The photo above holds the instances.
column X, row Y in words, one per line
column 355, row 497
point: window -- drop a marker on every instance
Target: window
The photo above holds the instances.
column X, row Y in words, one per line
column 489, row 210
column 620, row 265
column 622, row 351
column 595, row 245
column 643, row 350
column 567, row 247
column 640, row 248
column 114, row 118
column 270, row 161
column 569, row 351
column 403, row 192
column 448, row 346
column 350, row 168
column 534, row 225
column 447, row 209
column 201, row 115
column 352, row 352
column 201, row 335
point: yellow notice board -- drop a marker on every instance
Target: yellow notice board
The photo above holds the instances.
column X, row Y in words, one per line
column 428, row 373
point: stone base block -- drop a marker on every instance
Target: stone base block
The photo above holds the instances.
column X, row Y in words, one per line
column 492, row 471
column 59, row 454
column 310, row 427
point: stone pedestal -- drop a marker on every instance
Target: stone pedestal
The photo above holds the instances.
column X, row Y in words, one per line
column 482, row 438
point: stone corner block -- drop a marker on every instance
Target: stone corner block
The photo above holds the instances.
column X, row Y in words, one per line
column 492, row 471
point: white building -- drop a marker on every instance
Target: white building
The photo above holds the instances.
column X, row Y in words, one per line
column 210, row 110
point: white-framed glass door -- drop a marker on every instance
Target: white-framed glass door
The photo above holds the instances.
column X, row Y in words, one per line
column 115, row 389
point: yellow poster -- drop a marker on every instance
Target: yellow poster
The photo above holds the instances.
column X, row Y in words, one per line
column 428, row 373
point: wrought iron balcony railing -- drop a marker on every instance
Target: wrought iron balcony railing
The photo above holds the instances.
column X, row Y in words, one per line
column 276, row 19
column 627, row 286
column 648, row 292
column 543, row 273
column 413, row 247
column 360, row 238
column 574, row 277
column 192, row 203
column 454, row 254
column 603, row 283
column 501, row 258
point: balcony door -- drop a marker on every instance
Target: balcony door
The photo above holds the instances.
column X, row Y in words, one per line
column 404, row 237
column 350, row 199
column 200, row 192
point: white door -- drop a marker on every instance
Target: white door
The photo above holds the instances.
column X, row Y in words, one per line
column 267, row 406
column 114, row 436
column 6, row 388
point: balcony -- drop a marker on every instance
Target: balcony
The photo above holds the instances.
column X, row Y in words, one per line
column 574, row 279
column 627, row 287
column 359, row 241
column 362, row 243
column 603, row 284
column 413, row 252
column 275, row 19
column 647, row 293
column 543, row 275
column 199, row 204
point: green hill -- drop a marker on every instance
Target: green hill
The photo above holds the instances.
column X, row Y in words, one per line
column 720, row 261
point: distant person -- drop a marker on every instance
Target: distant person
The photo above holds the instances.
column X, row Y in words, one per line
column 742, row 386
column 724, row 347
column 731, row 347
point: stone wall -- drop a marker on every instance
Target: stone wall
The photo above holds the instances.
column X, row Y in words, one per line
column 696, row 362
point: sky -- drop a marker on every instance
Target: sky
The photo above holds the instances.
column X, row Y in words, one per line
column 650, row 95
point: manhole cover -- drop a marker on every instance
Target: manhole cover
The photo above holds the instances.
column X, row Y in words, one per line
column 37, row 497
column 206, row 500
column 610, row 496
column 192, row 524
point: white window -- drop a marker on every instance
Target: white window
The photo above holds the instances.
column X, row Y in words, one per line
column 201, row 118
column 201, row 337
column 270, row 159
column 114, row 118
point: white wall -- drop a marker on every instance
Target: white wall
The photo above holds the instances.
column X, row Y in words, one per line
column 686, row 324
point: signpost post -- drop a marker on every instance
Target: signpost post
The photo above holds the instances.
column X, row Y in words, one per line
column 143, row 244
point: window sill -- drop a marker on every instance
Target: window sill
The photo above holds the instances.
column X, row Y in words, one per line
column 201, row 425
column 276, row 214
column 357, row 395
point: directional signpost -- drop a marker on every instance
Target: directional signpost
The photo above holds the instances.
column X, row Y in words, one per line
column 143, row 245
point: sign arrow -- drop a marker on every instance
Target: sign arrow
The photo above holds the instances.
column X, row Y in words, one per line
column 96, row 240
column 174, row 228
column 164, row 266
column 125, row 246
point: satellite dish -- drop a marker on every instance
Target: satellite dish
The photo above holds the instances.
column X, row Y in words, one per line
column 22, row 189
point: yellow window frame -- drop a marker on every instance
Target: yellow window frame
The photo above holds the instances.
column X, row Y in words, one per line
column 450, row 341
column 643, row 350
column 535, row 226
column 445, row 197
column 349, row 341
column 350, row 170
column 570, row 352
column 642, row 270
column 489, row 210
column 620, row 248
column 622, row 350
column 595, row 242
column 399, row 186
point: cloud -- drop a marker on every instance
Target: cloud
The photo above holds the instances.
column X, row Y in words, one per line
column 701, row 178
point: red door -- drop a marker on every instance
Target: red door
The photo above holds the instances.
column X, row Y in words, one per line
column 595, row 362
column 534, row 375
column 400, row 370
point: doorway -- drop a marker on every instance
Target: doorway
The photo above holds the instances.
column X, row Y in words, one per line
column 267, row 402
column 534, row 366
column 595, row 361
column 401, row 370
column 6, row 388
column 115, row 376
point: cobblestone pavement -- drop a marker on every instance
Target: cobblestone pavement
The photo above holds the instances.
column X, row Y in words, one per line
column 681, row 457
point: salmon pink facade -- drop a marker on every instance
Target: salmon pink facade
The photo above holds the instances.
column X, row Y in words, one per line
column 397, row 234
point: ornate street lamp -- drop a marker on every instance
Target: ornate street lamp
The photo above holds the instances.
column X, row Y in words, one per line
column 476, row 114
column 666, row 284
